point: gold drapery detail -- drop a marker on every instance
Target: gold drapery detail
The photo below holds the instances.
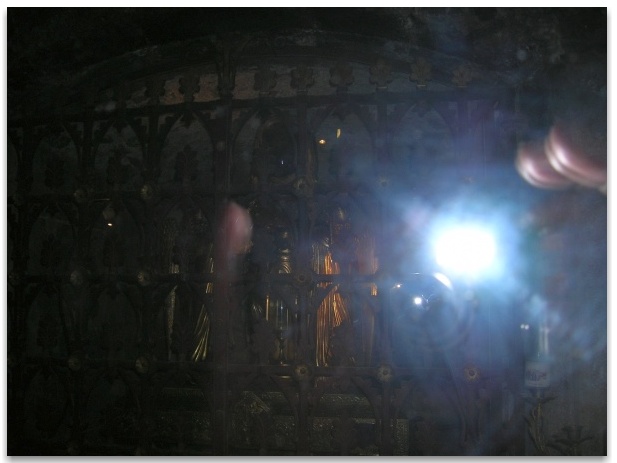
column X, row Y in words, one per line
column 202, row 327
column 332, row 311
column 201, row 332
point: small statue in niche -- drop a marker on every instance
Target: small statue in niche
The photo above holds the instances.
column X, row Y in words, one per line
column 343, row 335
column 271, row 253
column 332, row 311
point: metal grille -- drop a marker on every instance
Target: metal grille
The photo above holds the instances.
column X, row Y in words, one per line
column 116, row 342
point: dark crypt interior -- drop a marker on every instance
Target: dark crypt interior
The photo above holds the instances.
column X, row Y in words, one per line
column 306, row 231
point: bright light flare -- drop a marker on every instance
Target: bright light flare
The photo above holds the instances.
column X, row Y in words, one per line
column 465, row 250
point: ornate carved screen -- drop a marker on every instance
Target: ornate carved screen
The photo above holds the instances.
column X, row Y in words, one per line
column 115, row 343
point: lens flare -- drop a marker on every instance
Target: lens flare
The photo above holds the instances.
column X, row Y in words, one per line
column 465, row 250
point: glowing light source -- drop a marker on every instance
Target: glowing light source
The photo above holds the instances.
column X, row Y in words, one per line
column 109, row 214
column 465, row 250
column 322, row 141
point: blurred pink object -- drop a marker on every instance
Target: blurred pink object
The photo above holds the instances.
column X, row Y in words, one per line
column 570, row 155
column 233, row 239
column 535, row 168
column 577, row 154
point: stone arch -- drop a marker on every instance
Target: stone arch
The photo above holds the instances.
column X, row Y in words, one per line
column 345, row 146
column 187, row 154
column 119, row 157
column 264, row 148
column 54, row 163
